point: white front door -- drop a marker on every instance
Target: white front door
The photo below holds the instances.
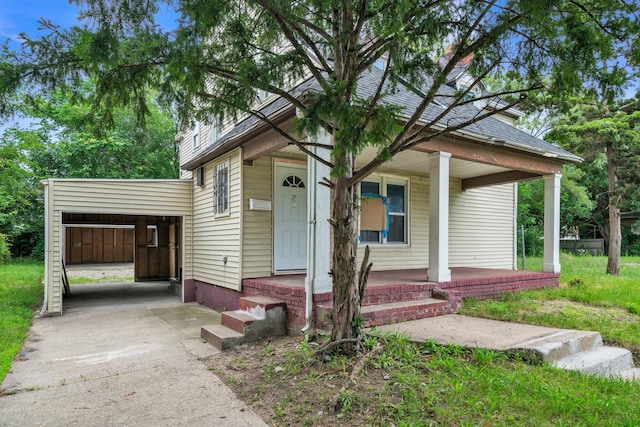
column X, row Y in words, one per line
column 290, row 218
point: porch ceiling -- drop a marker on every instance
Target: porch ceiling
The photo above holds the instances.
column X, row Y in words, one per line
column 415, row 162
column 418, row 162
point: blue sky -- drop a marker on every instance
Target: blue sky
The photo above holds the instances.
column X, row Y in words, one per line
column 18, row 16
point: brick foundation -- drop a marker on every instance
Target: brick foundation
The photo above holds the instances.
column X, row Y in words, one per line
column 484, row 283
column 216, row 297
column 487, row 287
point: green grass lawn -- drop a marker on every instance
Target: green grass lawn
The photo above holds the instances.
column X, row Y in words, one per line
column 20, row 294
column 587, row 299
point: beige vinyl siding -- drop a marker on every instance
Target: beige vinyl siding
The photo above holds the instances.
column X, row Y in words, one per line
column 415, row 254
column 481, row 232
column 106, row 196
column 218, row 236
column 187, row 151
column 257, row 230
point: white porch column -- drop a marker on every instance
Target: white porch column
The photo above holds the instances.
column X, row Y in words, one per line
column 439, row 217
column 552, row 223
column 318, row 213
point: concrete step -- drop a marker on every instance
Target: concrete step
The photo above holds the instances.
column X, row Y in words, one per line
column 561, row 344
column 632, row 374
column 220, row 336
column 383, row 314
column 605, row 361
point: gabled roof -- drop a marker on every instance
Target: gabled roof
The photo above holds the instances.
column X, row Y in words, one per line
column 489, row 130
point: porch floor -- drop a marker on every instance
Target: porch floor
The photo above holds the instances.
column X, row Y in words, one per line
column 460, row 276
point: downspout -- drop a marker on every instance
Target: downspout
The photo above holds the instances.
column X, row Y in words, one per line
column 515, row 225
column 45, row 301
column 311, row 233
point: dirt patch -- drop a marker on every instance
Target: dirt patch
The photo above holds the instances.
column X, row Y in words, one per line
column 100, row 272
column 259, row 375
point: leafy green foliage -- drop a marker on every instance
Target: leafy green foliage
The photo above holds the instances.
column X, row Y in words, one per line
column 5, row 254
column 606, row 132
column 66, row 140
column 576, row 207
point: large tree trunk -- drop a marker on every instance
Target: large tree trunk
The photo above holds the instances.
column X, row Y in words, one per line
column 346, row 298
column 615, row 233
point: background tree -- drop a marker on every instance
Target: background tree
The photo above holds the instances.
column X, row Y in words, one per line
column 605, row 131
column 65, row 140
column 223, row 52
column 576, row 206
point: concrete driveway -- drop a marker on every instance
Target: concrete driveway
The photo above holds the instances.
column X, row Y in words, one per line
column 122, row 355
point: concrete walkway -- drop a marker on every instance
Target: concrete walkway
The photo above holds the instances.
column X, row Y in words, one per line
column 564, row 348
column 121, row 355
column 471, row 331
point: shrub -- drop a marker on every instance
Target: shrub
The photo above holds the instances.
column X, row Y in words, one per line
column 5, row 254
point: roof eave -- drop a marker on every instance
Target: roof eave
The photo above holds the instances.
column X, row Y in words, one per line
column 226, row 145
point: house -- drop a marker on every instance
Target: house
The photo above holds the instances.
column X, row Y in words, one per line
column 248, row 216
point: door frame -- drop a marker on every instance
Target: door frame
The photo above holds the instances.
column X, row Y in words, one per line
column 291, row 164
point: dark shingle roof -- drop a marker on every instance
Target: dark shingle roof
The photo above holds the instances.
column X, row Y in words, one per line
column 408, row 99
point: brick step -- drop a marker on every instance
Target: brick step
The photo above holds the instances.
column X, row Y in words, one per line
column 260, row 317
column 402, row 311
column 375, row 295
column 268, row 303
column 237, row 320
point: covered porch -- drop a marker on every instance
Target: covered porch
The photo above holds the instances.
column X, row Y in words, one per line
column 456, row 210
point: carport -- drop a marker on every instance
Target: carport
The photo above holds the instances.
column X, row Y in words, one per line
column 156, row 212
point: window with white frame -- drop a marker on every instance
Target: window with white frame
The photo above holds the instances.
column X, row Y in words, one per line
column 196, row 135
column 152, row 236
column 221, row 189
column 383, row 210
column 214, row 132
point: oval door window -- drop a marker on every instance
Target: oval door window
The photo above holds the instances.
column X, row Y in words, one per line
column 293, row 181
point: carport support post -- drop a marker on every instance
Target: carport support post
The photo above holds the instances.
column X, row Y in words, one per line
column 552, row 223
column 439, row 218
